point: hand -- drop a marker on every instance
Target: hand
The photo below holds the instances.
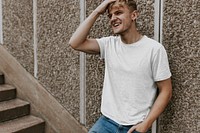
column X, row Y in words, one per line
column 103, row 6
column 141, row 127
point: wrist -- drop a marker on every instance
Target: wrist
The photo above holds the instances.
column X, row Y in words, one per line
column 96, row 13
column 148, row 123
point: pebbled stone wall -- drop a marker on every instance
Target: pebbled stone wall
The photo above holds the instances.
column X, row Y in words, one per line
column 181, row 38
column 18, row 31
column 58, row 64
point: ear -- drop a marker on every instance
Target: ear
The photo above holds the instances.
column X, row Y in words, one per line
column 134, row 15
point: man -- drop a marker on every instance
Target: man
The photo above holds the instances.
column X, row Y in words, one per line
column 135, row 66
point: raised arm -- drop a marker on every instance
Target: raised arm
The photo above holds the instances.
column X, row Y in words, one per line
column 79, row 40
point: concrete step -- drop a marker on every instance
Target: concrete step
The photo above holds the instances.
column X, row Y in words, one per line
column 1, row 78
column 13, row 109
column 7, row 92
column 26, row 124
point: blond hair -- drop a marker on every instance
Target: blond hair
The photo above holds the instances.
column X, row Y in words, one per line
column 130, row 3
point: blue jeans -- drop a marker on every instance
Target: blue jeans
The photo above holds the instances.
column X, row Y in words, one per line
column 106, row 125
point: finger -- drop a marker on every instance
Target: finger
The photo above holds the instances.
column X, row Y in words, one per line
column 103, row 6
column 131, row 129
column 109, row 1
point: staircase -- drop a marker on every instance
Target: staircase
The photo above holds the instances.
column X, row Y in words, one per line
column 15, row 114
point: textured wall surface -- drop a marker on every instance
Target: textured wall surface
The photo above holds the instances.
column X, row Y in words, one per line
column 181, row 39
column 145, row 20
column 18, row 31
column 58, row 64
column 95, row 67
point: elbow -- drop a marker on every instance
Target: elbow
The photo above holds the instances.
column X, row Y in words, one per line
column 170, row 94
column 170, row 91
column 72, row 45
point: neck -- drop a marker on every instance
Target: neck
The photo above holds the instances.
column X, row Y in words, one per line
column 132, row 37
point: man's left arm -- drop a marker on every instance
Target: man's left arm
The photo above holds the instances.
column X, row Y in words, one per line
column 164, row 96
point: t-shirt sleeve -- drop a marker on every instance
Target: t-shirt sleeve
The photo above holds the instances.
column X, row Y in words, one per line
column 102, row 44
column 161, row 70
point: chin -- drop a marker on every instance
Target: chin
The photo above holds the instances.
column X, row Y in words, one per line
column 116, row 32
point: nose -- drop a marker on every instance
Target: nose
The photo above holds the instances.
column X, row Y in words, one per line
column 113, row 17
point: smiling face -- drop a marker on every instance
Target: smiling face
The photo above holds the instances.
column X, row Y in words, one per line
column 122, row 17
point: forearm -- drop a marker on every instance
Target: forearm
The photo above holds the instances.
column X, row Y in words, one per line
column 158, row 107
column 165, row 93
column 80, row 35
column 82, row 31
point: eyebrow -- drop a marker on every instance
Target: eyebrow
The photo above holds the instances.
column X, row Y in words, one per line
column 117, row 11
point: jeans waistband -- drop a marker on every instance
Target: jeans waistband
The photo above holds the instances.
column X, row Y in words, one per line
column 115, row 123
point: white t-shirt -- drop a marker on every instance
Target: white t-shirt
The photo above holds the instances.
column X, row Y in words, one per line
column 129, row 88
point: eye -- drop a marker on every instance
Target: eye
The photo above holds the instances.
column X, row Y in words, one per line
column 109, row 16
column 118, row 13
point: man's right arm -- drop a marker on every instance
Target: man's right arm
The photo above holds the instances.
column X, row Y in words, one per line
column 79, row 40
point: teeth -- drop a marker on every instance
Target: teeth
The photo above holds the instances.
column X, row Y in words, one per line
column 115, row 24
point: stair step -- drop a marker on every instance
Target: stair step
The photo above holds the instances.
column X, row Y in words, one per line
column 26, row 124
column 7, row 92
column 13, row 109
column 1, row 78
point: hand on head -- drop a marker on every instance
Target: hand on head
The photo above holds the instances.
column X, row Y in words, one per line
column 103, row 6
